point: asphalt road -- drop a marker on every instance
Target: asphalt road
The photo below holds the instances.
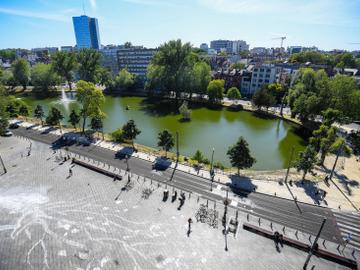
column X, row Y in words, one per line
column 271, row 208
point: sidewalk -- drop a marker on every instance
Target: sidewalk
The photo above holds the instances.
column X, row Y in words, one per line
column 270, row 183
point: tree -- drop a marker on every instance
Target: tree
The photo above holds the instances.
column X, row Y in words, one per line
column 185, row 111
column 166, row 141
column 4, row 122
column 21, row 72
column 239, row 155
column 237, row 65
column 91, row 99
column 39, row 113
column 105, row 78
column 7, row 78
column 124, row 80
column 43, row 77
column 64, row 64
column 130, row 131
column 97, row 124
column 89, row 63
column 54, row 117
column 263, row 98
column 24, row 110
column 215, row 91
column 330, row 116
column 127, row 44
column 4, row 116
column 167, row 68
column 277, row 90
column 198, row 156
column 307, row 160
column 74, row 118
column 201, row 77
column 233, row 93
column 117, row 135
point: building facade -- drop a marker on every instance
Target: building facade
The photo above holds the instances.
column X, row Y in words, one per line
column 229, row 46
column 204, row 47
column 86, row 32
column 261, row 75
column 135, row 59
column 109, row 58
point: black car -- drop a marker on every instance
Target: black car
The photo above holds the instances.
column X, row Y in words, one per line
column 13, row 125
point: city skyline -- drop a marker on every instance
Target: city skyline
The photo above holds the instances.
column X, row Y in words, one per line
column 257, row 22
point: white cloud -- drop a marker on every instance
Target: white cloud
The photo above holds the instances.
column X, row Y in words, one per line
column 37, row 15
column 171, row 3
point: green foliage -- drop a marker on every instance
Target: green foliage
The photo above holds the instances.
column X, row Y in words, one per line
column 21, row 72
column 24, row 110
column 54, row 117
column 105, row 78
column 233, row 93
column 8, row 54
column 13, row 105
column 237, row 65
column 331, row 116
column 355, row 142
column 89, row 63
column 4, row 122
column 185, row 111
column 7, row 78
column 125, row 80
column 215, row 91
column 64, row 64
column 277, row 90
column 263, row 98
column 4, row 116
column 306, row 160
column 166, row 140
column 198, row 156
column 169, row 68
column 239, row 155
column 201, row 75
column 74, row 118
column 96, row 123
column 91, row 99
column 130, row 131
column 43, row 77
column 118, row 135
column 39, row 113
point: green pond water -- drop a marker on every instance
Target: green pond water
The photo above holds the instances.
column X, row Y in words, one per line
column 270, row 140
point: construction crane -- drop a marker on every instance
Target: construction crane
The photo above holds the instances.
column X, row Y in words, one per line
column 282, row 41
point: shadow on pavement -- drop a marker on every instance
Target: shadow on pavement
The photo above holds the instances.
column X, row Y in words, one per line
column 126, row 151
column 241, row 185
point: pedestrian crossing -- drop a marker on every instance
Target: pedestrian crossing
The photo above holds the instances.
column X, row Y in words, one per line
column 349, row 226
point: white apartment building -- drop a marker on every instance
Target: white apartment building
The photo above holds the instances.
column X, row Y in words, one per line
column 261, row 75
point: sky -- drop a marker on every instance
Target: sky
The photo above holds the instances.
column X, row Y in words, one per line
column 327, row 24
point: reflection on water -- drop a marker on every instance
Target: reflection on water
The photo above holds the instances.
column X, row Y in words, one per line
column 270, row 140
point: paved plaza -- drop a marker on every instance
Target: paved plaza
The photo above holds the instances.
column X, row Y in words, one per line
column 51, row 220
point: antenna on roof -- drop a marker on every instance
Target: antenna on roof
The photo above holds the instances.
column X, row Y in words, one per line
column 83, row 6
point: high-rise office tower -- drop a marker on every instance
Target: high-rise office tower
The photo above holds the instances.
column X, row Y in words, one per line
column 86, row 32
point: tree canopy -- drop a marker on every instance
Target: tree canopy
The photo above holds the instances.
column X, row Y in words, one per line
column 239, row 155
column 43, row 77
column 215, row 91
column 21, row 72
column 89, row 63
column 166, row 141
column 64, row 64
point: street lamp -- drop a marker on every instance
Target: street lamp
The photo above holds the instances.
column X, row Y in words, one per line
column 3, row 165
column 127, row 167
column 212, row 174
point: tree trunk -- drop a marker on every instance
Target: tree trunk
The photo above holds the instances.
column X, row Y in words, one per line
column 69, row 83
column 303, row 178
column 239, row 171
column 132, row 142
column 165, row 153
column 102, row 132
column 83, row 127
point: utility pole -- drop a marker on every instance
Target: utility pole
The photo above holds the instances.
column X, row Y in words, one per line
column 212, row 174
column 289, row 165
column 314, row 244
column 336, row 160
column 3, row 165
column 177, row 147
column 127, row 167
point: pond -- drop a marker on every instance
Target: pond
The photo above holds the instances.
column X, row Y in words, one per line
column 270, row 140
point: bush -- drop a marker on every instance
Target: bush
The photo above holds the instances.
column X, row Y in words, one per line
column 118, row 135
column 219, row 165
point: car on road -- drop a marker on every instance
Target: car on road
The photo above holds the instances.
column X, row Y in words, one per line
column 8, row 133
column 14, row 125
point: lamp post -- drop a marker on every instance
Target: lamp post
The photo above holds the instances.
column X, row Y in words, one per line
column 3, row 165
column 127, row 167
column 212, row 174
column 314, row 244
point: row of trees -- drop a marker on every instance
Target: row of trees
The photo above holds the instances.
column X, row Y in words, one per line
column 340, row 60
column 314, row 93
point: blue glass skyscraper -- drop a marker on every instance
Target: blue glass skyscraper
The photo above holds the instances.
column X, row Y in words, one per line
column 86, row 32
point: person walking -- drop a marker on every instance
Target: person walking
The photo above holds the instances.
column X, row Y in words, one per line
column 70, row 172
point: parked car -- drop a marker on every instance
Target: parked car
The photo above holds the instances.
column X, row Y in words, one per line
column 14, row 125
column 8, row 133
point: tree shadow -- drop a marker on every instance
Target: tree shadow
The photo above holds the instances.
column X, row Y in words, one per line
column 311, row 190
column 159, row 108
column 126, row 151
column 161, row 164
column 241, row 185
column 32, row 126
column 48, row 130
column 235, row 108
column 343, row 180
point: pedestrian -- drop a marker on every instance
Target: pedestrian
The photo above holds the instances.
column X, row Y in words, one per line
column 189, row 227
column 70, row 172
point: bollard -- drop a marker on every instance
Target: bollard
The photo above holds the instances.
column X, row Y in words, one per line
column 323, row 243
column 198, row 199
column 259, row 221
column 151, row 181
column 284, row 229
column 353, row 253
column 338, row 247
column 271, row 225
column 189, row 195
column 207, row 203
column 296, row 234
column 247, row 217
column 215, row 205
column 310, row 238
